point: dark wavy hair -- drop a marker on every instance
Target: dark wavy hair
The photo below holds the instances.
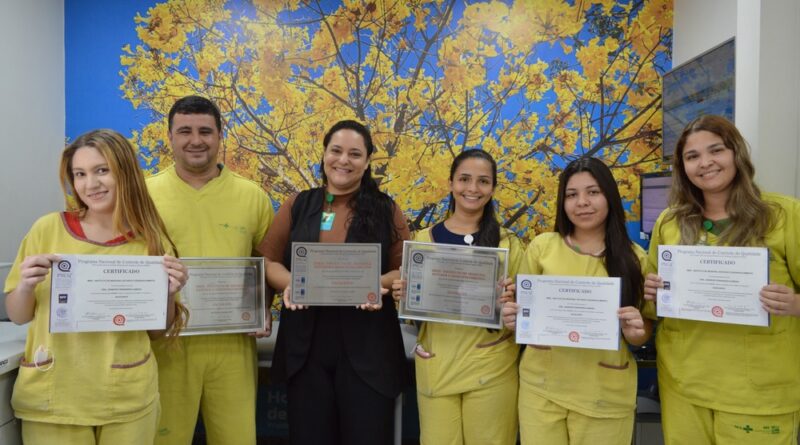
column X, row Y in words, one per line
column 488, row 227
column 371, row 208
column 619, row 257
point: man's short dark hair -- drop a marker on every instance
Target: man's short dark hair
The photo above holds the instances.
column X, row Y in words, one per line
column 195, row 105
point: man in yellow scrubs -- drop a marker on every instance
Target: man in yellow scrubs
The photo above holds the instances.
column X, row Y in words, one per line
column 209, row 212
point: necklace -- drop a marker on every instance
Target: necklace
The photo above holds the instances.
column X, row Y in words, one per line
column 468, row 239
column 576, row 248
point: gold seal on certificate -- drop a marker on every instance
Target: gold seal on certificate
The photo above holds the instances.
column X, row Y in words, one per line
column 101, row 293
column 569, row 311
column 715, row 284
column 453, row 284
column 224, row 295
column 336, row 274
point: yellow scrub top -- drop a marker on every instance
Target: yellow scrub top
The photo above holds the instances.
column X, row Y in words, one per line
column 466, row 357
column 595, row 383
column 94, row 378
column 734, row 368
column 228, row 217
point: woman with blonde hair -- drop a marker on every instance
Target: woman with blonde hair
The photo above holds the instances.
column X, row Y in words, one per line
column 724, row 383
column 90, row 387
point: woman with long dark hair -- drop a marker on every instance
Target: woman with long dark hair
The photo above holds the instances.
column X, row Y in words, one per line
column 724, row 383
column 465, row 374
column 76, row 388
column 572, row 395
column 343, row 366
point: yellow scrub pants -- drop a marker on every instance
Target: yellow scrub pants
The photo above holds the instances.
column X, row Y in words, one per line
column 217, row 374
column 543, row 422
column 486, row 416
column 136, row 432
column 686, row 423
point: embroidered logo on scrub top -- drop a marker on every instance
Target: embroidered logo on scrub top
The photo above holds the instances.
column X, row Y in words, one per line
column 240, row 229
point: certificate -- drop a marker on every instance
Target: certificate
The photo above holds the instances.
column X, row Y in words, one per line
column 575, row 312
column 716, row 284
column 453, row 284
column 224, row 295
column 336, row 274
column 98, row 293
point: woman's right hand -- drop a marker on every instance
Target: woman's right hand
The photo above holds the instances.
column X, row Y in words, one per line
column 509, row 313
column 652, row 283
column 398, row 289
column 21, row 302
column 34, row 269
column 287, row 301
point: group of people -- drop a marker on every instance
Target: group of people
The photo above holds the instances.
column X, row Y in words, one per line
column 345, row 366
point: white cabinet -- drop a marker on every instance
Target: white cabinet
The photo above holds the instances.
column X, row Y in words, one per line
column 10, row 433
column 11, row 347
column 6, row 385
column 9, row 426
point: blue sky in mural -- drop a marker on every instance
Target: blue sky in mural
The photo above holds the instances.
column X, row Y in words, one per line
column 96, row 31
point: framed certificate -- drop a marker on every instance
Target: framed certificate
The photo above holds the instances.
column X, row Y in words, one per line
column 570, row 311
column 101, row 293
column 224, row 295
column 336, row 274
column 453, row 284
column 714, row 284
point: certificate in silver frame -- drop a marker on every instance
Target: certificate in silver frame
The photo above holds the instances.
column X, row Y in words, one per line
column 224, row 295
column 453, row 284
column 336, row 274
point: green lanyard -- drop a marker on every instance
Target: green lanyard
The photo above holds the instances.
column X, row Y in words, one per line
column 327, row 216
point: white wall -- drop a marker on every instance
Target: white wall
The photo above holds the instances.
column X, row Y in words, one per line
column 31, row 116
column 776, row 156
column 767, row 75
column 699, row 26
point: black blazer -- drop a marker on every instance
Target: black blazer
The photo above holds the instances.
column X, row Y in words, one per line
column 372, row 340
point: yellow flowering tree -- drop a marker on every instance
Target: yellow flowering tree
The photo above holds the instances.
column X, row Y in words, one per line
column 534, row 82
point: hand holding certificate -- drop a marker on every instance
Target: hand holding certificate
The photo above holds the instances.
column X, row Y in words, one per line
column 453, row 284
column 716, row 284
column 576, row 312
column 96, row 293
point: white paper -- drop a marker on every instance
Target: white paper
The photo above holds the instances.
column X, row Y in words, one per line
column 715, row 284
column 570, row 311
column 97, row 293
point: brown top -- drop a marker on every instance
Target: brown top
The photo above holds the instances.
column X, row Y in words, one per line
column 274, row 244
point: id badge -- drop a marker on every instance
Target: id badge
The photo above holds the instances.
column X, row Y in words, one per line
column 327, row 221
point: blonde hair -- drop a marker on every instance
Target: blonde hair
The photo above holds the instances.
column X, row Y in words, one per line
column 751, row 218
column 135, row 215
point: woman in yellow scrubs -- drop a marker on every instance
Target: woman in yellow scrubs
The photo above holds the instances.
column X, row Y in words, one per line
column 724, row 383
column 93, row 387
column 465, row 374
column 584, row 396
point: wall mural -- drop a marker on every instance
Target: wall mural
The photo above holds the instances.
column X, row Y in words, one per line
column 535, row 82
